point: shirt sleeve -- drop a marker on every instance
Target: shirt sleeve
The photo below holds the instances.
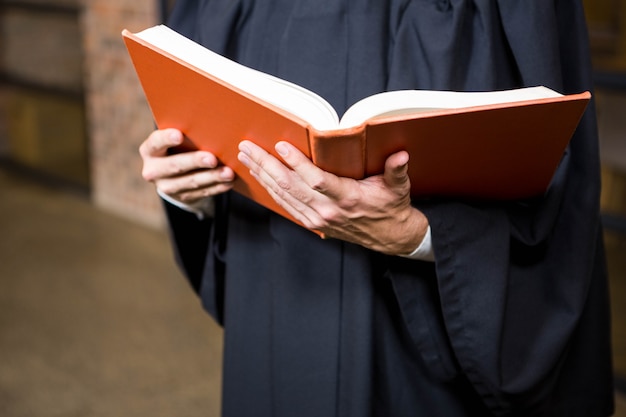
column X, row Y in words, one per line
column 202, row 209
column 424, row 252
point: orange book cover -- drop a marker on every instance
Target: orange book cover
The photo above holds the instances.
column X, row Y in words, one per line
column 499, row 151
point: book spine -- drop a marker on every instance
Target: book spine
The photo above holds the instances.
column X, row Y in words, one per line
column 339, row 152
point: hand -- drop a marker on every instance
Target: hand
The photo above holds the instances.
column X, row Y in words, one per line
column 187, row 177
column 375, row 212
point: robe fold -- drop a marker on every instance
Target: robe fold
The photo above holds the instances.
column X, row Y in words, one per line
column 512, row 319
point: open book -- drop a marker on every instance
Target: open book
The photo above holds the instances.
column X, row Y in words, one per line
column 478, row 145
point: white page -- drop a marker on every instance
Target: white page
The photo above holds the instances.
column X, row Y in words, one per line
column 297, row 100
column 389, row 102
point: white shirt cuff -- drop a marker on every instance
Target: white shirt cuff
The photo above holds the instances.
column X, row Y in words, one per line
column 424, row 251
column 202, row 209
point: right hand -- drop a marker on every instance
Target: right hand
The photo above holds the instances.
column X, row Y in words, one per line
column 187, row 177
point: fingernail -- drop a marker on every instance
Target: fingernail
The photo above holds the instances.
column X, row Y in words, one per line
column 243, row 158
column 208, row 162
column 226, row 174
column 174, row 136
column 244, row 148
column 282, row 149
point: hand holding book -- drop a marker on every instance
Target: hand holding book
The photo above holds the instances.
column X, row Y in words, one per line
column 380, row 217
column 187, row 177
column 374, row 212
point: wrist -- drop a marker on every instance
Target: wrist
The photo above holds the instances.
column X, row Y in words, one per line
column 413, row 236
column 424, row 252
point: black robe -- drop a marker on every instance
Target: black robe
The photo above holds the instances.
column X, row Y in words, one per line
column 511, row 319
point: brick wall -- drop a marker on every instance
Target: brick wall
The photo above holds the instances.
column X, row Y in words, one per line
column 118, row 116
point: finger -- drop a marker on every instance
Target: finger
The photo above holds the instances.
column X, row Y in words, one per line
column 176, row 165
column 274, row 174
column 396, row 170
column 283, row 184
column 159, row 142
column 193, row 196
column 296, row 208
column 266, row 168
column 199, row 184
column 317, row 179
column 260, row 162
column 299, row 162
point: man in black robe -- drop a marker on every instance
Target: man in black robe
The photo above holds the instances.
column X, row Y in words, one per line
column 505, row 312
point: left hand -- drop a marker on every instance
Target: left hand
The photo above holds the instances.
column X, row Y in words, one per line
column 375, row 212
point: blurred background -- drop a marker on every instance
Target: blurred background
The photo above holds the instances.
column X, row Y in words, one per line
column 95, row 319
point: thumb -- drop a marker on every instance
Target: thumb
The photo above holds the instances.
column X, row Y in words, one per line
column 396, row 170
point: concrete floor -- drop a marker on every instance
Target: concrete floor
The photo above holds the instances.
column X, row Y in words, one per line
column 95, row 319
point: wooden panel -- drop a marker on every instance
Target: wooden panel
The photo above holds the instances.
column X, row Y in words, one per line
column 47, row 133
column 607, row 31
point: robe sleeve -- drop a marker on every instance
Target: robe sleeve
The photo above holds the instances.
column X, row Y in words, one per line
column 198, row 246
column 514, row 281
column 190, row 238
